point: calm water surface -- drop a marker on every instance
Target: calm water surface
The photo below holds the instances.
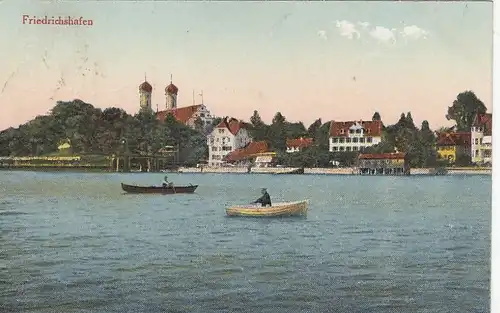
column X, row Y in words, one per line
column 73, row 242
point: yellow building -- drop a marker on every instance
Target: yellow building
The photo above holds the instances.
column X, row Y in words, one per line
column 451, row 146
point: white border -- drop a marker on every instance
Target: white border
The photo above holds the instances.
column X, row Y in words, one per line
column 495, row 233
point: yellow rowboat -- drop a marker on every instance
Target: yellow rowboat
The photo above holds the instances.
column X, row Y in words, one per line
column 298, row 208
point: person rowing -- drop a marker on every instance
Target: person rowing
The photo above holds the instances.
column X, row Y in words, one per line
column 166, row 183
column 265, row 199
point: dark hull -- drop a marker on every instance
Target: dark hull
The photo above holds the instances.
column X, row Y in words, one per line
column 297, row 171
column 159, row 190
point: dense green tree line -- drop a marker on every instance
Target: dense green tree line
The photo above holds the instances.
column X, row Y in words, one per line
column 403, row 136
column 91, row 130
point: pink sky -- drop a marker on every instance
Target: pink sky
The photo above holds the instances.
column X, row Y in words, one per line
column 306, row 61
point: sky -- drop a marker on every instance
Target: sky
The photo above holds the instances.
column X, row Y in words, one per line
column 308, row 60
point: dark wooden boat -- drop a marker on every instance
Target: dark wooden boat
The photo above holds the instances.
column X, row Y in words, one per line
column 159, row 189
column 296, row 171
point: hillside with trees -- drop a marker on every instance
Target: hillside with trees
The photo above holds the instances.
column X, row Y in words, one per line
column 91, row 130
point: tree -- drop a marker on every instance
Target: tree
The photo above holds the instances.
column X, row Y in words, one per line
column 256, row 120
column 199, row 125
column 376, row 117
column 277, row 132
column 464, row 109
column 313, row 128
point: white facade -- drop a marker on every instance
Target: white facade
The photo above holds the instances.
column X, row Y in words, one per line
column 204, row 114
column 354, row 139
column 481, row 146
column 221, row 142
column 292, row 149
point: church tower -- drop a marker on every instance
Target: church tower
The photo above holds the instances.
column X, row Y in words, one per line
column 145, row 91
column 171, row 95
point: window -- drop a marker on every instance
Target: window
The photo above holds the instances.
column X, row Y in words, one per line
column 354, row 148
column 335, row 148
column 480, row 141
column 202, row 114
column 348, row 140
column 214, row 148
column 369, row 139
column 358, row 131
column 221, row 130
column 335, row 140
column 212, row 140
column 351, row 131
column 341, row 149
column 217, row 140
column 476, row 141
column 347, row 148
column 362, row 140
column 341, row 140
column 355, row 139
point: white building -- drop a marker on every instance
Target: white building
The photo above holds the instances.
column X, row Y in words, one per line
column 354, row 135
column 481, row 139
column 228, row 136
column 296, row 145
column 188, row 115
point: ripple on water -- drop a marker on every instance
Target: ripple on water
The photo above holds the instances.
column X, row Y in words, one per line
column 85, row 247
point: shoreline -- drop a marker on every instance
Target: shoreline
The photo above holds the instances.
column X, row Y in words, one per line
column 263, row 170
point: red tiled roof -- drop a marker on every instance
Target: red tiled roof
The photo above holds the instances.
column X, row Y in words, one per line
column 382, row 156
column 232, row 124
column 172, row 89
column 454, row 139
column 341, row 129
column 484, row 120
column 253, row 147
column 299, row 142
column 181, row 114
column 145, row 86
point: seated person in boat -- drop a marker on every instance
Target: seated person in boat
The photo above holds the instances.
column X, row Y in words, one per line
column 265, row 199
column 166, row 183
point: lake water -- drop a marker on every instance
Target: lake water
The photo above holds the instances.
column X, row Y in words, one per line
column 73, row 242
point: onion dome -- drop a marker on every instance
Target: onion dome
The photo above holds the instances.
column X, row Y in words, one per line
column 171, row 89
column 145, row 86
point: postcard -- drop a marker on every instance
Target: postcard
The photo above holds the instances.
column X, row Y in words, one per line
column 246, row 156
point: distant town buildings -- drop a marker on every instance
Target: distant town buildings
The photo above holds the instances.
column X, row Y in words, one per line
column 383, row 164
column 186, row 115
column 296, row 145
column 226, row 137
column 354, row 135
column 453, row 145
column 481, row 139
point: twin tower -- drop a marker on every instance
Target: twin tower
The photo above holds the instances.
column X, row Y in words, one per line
column 145, row 91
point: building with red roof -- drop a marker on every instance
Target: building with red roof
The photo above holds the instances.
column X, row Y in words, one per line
column 188, row 115
column 481, row 138
column 354, row 135
column 228, row 136
column 453, row 145
column 297, row 144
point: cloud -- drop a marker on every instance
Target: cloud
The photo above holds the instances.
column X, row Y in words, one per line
column 414, row 32
column 383, row 34
column 322, row 34
column 347, row 29
column 364, row 25
column 380, row 33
